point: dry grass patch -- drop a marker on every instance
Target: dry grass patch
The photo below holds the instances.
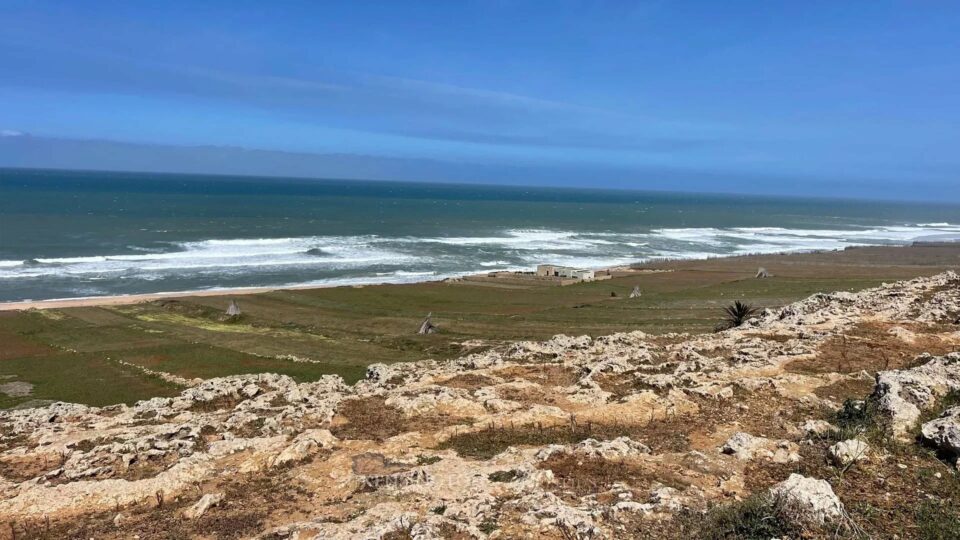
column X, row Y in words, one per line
column 22, row 468
column 845, row 389
column 367, row 418
column 494, row 439
column 579, row 476
column 871, row 347
column 249, row 502
column 779, row 338
column 546, row 375
column 468, row 381
column 628, row 383
column 370, row 418
column 533, row 395
column 221, row 403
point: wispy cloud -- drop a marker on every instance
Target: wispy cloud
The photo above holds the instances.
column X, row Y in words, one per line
column 389, row 105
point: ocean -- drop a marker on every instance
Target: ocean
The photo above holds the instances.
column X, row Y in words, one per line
column 80, row 234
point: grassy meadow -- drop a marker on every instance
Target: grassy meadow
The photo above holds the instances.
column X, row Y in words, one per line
column 93, row 355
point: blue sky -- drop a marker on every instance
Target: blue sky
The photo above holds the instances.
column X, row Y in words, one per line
column 846, row 98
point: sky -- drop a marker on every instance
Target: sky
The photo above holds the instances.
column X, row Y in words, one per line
column 811, row 98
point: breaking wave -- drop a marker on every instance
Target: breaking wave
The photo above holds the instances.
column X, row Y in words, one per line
column 376, row 258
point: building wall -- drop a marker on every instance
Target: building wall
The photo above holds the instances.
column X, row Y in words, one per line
column 549, row 270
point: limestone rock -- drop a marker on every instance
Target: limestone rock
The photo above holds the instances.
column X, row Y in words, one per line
column 817, row 428
column 305, row 445
column 205, row 503
column 808, row 501
column 618, row 448
column 904, row 394
column 746, row 447
column 846, row 452
column 944, row 432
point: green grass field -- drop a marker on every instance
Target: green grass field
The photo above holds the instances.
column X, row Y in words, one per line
column 75, row 354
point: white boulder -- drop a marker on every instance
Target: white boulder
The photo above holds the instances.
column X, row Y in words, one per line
column 808, row 501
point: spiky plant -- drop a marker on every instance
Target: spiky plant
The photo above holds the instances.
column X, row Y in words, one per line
column 736, row 314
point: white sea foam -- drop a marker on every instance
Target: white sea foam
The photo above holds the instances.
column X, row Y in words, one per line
column 371, row 258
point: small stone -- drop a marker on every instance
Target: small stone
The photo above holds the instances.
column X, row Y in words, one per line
column 205, row 503
column 850, row 451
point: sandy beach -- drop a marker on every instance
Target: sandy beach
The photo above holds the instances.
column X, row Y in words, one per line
column 121, row 300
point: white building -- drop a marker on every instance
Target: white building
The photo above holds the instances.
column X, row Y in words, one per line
column 550, row 270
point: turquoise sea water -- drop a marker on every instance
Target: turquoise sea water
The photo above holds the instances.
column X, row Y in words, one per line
column 73, row 234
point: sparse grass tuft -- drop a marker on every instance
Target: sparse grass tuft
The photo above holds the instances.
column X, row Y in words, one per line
column 757, row 517
column 937, row 521
column 858, row 418
column 492, row 439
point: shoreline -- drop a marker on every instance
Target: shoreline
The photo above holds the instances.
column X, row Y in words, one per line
column 128, row 299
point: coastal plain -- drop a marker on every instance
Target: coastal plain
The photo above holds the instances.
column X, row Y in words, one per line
column 120, row 353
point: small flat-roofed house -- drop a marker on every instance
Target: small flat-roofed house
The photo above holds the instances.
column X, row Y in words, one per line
column 551, row 270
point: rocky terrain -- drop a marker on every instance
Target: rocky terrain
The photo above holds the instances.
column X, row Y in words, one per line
column 830, row 417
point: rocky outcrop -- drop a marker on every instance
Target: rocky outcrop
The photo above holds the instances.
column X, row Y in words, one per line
column 943, row 433
column 746, row 447
column 573, row 436
column 903, row 394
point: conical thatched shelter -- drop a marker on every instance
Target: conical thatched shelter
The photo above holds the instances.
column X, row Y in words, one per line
column 233, row 310
column 427, row 326
column 762, row 273
column 635, row 293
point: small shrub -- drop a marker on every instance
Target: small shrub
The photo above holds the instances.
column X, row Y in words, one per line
column 858, row 418
column 735, row 315
column 505, row 476
column 427, row 460
column 488, row 526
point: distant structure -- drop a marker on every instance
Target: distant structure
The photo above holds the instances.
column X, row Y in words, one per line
column 427, row 326
column 762, row 273
column 233, row 310
column 551, row 270
column 635, row 293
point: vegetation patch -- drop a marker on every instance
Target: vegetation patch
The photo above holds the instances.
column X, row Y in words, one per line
column 937, row 520
column 505, row 476
column 367, row 418
column 546, row 375
column 493, row 439
column 468, row 381
column 844, row 389
column 226, row 402
column 757, row 517
column 578, row 476
column 871, row 347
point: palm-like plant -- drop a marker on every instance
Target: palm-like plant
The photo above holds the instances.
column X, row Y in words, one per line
column 736, row 314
